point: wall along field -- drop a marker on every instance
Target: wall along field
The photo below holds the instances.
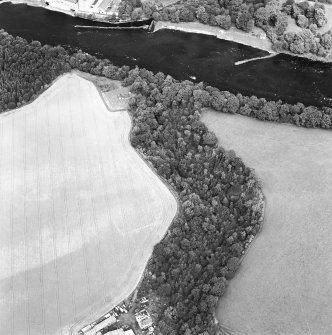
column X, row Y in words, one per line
column 80, row 210
column 284, row 284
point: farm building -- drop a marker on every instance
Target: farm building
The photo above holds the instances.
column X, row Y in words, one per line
column 120, row 332
column 129, row 332
column 144, row 321
column 116, row 332
column 94, row 328
column 85, row 329
column 107, row 322
column 63, row 4
column 144, row 300
column 104, row 6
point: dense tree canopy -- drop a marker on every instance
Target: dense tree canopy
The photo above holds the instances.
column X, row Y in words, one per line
column 309, row 40
column 26, row 69
column 212, row 12
column 219, row 198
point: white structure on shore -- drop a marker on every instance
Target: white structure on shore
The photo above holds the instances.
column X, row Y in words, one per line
column 86, row 6
column 120, row 332
column 94, row 327
column 70, row 5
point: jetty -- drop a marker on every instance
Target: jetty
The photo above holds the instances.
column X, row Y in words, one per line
column 254, row 59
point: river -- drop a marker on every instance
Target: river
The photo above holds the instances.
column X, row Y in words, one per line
column 182, row 55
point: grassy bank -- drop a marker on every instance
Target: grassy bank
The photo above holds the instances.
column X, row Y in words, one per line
column 282, row 286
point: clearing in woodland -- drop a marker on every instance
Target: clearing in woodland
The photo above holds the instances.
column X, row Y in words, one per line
column 80, row 210
column 284, row 285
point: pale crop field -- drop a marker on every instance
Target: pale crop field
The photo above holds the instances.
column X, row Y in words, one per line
column 80, row 210
column 284, row 284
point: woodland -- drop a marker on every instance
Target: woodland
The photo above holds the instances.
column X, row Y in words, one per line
column 220, row 199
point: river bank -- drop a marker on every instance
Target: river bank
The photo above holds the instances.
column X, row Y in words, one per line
column 255, row 39
column 233, row 34
column 252, row 39
column 290, row 79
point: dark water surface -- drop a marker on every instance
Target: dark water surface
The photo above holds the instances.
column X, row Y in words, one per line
column 182, row 55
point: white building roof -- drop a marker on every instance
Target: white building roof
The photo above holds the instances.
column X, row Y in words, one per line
column 107, row 322
column 116, row 332
column 105, row 4
column 144, row 321
column 129, row 332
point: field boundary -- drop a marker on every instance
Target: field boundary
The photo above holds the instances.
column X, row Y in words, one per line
column 73, row 328
column 42, row 92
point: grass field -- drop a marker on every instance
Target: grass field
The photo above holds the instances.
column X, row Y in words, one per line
column 80, row 210
column 284, row 285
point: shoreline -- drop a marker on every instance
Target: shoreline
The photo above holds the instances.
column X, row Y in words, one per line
column 232, row 35
column 237, row 36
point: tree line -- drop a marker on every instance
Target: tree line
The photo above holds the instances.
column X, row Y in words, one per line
column 28, row 68
column 220, row 204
